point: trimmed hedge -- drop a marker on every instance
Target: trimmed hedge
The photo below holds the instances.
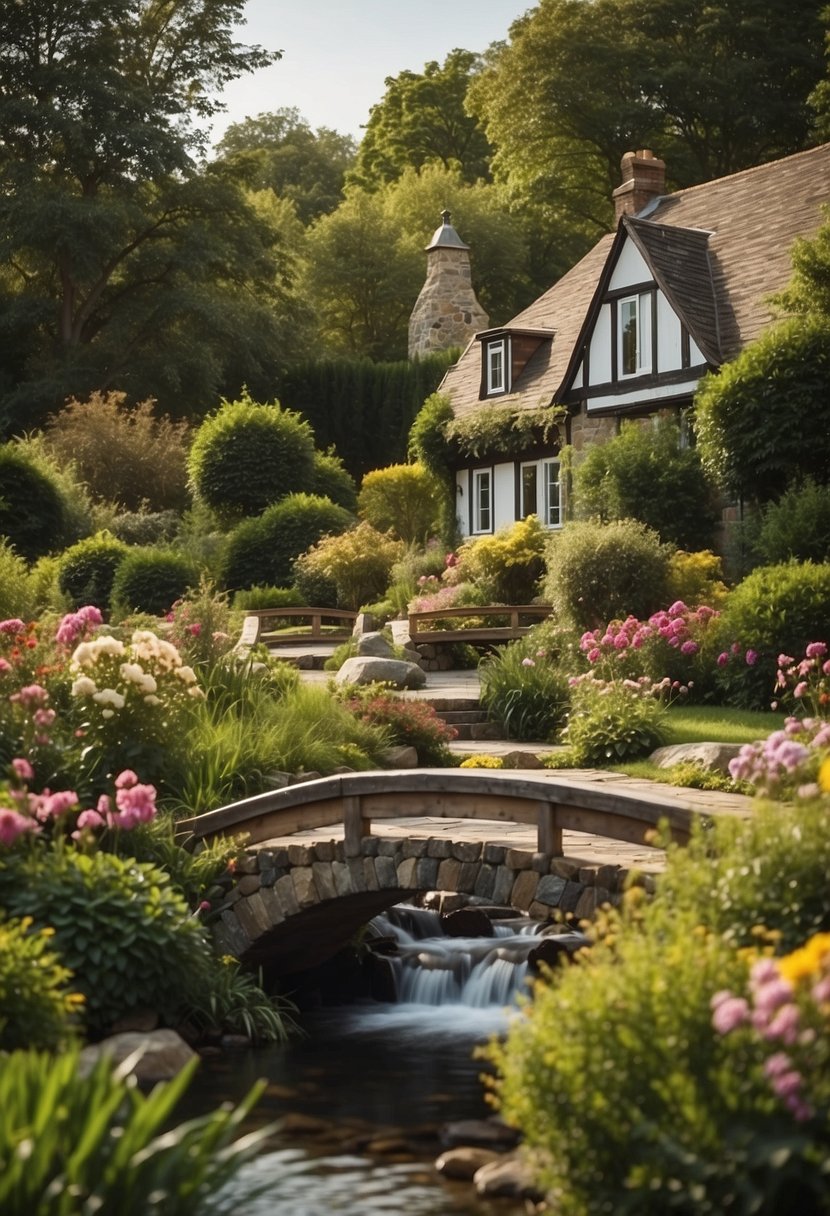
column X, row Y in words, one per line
column 32, row 510
column 262, row 551
column 151, row 580
column 86, row 571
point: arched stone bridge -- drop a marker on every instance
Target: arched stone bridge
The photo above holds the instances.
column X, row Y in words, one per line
column 295, row 904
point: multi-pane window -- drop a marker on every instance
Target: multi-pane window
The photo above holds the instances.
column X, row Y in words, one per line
column 497, row 366
column 552, row 517
column 540, row 492
column 634, row 318
column 482, row 500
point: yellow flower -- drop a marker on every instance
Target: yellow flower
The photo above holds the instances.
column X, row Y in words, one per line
column 809, row 960
column 824, row 775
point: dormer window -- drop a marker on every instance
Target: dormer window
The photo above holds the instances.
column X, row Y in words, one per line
column 634, row 329
column 496, row 366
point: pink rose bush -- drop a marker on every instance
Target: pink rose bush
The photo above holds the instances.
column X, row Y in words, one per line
column 671, row 642
column 787, row 763
column 805, row 682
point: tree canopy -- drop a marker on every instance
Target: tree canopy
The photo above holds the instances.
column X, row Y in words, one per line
column 115, row 252
column 711, row 87
column 279, row 151
column 422, row 119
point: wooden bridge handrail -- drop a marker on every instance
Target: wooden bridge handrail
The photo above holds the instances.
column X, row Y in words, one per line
column 257, row 619
column 493, row 632
column 551, row 802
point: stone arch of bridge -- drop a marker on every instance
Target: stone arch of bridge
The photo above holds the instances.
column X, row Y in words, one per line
column 294, row 907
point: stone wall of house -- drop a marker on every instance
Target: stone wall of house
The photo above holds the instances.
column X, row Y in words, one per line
column 587, row 430
column 447, row 312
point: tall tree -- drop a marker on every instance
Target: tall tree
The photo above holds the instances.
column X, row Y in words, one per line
column 280, row 152
column 713, row 86
column 422, row 119
column 107, row 228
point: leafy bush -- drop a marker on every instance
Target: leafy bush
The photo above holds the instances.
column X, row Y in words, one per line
column 776, row 609
column 237, row 1004
column 32, row 512
column 200, row 625
column 407, row 723
column 678, row 643
column 46, row 595
column 145, row 527
column 264, row 549
column 524, row 690
column 696, row 578
column 86, row 571
column 507, row 566
column 357, row 563
column 629, row 1099
column 403, row 498
column 331, row 479
column 102, row 1145
column 252, row 598
column 120, row 926
column 428, row 444
column 246, row 456
column 645, row 474
column 151, row 580
column 37, row 1006
column 598, row 572
column 613, row 721
column 797, row 526
column 15, row 589
column 124, row 455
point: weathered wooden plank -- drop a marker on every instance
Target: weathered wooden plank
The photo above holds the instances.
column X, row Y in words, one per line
column 356, row 824
column 549, row 829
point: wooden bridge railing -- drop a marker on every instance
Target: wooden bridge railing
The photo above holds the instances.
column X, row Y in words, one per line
column 419, row 622
column 550, row 802
column 324, row 625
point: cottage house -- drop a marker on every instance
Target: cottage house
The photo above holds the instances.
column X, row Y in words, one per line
column 680, row 288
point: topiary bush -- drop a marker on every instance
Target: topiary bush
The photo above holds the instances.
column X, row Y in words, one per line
column 357, row 564
column 32, row 512
column 247, row 456
column 797, row 526
column 145, row 527
column 119, row 925
column 597, row 572
column 263, row 550
column 86, row 571
column 151, row 580
column 776, row 609
column 38, row 1008
column 331, row 479
column 404, row 499
column 267, row 597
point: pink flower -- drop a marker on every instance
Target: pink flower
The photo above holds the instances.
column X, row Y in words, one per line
column 32, row 696
column 689, row 647
column 816, row 650
column 13, row 825
column 594, row 655
column 195, row 629
column 678, row 608
column 90, row 819
column 722, row 659
column 136, row 804
column 22, row 768
column 125, row 779
column 52, row 806
column 751, row 658
column 729, row 1013
column 800, row 689
column 13, row 626
column 526, row 662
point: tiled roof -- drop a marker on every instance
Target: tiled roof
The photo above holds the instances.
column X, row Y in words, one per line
column 719, row 250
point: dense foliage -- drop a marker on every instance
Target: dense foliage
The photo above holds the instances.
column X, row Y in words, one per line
column 401, row 498
column 32, row 510
column 151, row 580
column 263, row 550
column 86, row 570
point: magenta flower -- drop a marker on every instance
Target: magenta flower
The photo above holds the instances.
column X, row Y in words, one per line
column 729, row 1012
column 12, row 626
column 751, row 657
column 125, row 779
column 13, row 825
column 689, row 647
column 722, row 659
column 22, row 768
column 816, row 650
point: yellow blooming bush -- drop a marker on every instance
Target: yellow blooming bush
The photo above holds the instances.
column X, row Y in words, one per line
column 482, row 762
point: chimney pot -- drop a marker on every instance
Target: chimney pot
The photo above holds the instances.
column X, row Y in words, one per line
column 643, row 179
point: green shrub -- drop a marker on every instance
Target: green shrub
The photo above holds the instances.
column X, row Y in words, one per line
column 797, row 526
column 263, row 550
column 267, row 597
column 247, row 456
column 524, row 690
column 311, row 584
column 120, row 926
column 128, row 456
column 46, row 595
column 628, row 1098
column 15, row 589
column 507, row 566
column 151, row 580
column 645, row 474
column 38, row 1008
column 86, row 571
column 403, row 498
column 599, row 572
column 331, row 479
column 102, row 1145
column 32, row 511
column 610, row 722
column 237, row 1004
column 358, row 563
column 776, row 609
column 407, row 723
column 696, row 578
column 145, row 527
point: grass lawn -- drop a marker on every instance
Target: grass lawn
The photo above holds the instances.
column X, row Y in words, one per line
column 715, row 724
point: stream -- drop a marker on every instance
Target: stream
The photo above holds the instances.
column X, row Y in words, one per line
column 364, row 1095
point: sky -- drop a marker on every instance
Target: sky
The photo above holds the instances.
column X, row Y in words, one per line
column 337, row 53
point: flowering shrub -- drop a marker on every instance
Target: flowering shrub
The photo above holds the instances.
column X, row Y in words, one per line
column 787, row 763
column 434, row 595
column 37, row 1005
column 671, row 642
column 507, row 566
column 615, row 720
column 482, row 762
column 200, row 625
column 409, row 722
column 806, row 680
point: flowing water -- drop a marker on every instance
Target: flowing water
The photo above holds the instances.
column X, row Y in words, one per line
column 384, row 1077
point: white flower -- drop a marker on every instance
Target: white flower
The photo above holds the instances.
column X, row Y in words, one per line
column 107, row 713
column 106, row 644
column 152, row 700
column 108, row 696
column 82, row 656
column 136, row 674
column 187, row 674
column 83, row 687
column 193, row 691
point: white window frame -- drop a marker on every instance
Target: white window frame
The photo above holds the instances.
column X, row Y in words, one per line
column 526, row 508
column 482, row 521
column 552, row 517
column 496, row 367
column 639, row 307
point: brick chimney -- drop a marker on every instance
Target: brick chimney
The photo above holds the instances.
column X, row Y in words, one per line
column 643, row 178
column 447, row 312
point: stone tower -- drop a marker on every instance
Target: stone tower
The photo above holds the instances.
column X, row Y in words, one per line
column 446, row 312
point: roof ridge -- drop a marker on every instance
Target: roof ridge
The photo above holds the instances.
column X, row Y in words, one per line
column 767, row 165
